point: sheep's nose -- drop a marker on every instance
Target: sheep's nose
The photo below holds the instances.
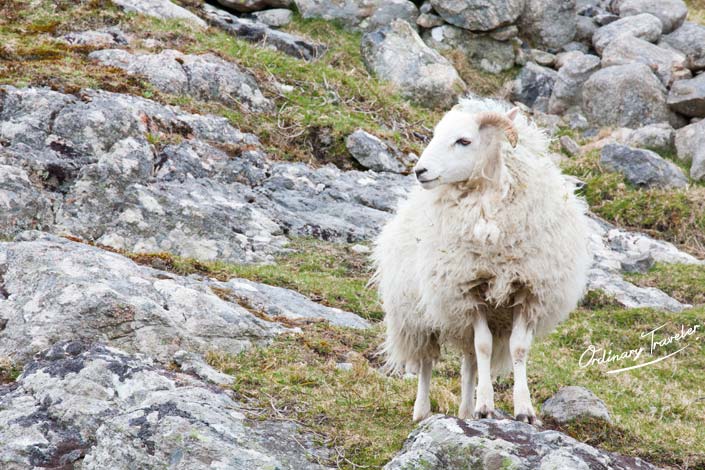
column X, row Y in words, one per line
column 419, row 172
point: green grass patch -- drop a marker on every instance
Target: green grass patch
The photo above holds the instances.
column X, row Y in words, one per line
column 684, row 282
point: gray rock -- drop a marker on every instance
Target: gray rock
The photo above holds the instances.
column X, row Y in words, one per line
column 479, row 15
column 569, row 146
column 667, row 64
column 672, row 13
column 97, row 39
column 276, row 17
column 643, row 26
column 567, row 90
column 442, row 442
column 260, row 33
column 372, row 153
column 688, row 96
column 690, row 145
column 642, row 168
column 480, row 50
column 247, row 6
column 163, row 9
column 397, row 54
column 504, row 33
column 97, row 407
column 657, row 137
column 641, row 265
column 626, row 96
column 690, row 40
column 389, row 11
column 548, row 23
column 576, row 46
column 543, row 58
column 572, row 402
column 191, row 363
column 429, row 20
column 603, row 19
column 205, row 77
column 426, row 7
column 584, row 29
column 24, row 207
column 534, row 86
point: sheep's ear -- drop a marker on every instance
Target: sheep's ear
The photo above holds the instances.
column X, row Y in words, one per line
column 513, row 113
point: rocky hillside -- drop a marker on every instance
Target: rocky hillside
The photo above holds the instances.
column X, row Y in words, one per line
column 190, row 190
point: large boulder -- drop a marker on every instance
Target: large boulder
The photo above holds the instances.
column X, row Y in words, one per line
column 672, row 13
column 688, row 96
column 690, row 40
column 690, row 146
column 658, row 137
column 625, row 96
column 397, row 54
column 642, row 168
column 667, row 64
column 95, row 407
column 246, row 6
column 548, row 23
column 163, row 9
column 567, row 90
column 643, row 26
column 479, row 15
column 572, row 402
column 481, row 50
column 534, row 86
column 442, row 442
column 205, row 77
column 389, row 11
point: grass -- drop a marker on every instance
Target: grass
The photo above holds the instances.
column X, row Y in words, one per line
column 684, row 282
column 365, row 416
column 674, row 215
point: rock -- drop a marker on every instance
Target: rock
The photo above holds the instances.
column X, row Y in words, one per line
column 397, row 54
column 642, row 168
column 569, row 146
column 576, row 47
column 361, row 249
column 190, row 363
column 643, row 26
column 247, row 6
column 626, row 96
column 260, row 33
column 205, row 77
column 543, row 58
column 88, row 405
column 567, row 90
column 689, row 39
column 688, row 96
column 658, row 137
column 344, row 366
column 389, row 11
column 479, row 15
column 571, row 403
column 603, row 19
column 576, row 121
column 426, row 7
column 690, row 145
column 480, row 50
column 534, row 85
column 90, row 160
column 641, row 265
column 429, row 20
column 584, row 29
column 672, row 13
column 163, row 9
column 372, row 153
column 505, row 33
column 349, row 12
column 614, row 248
column 443, row 442
column 97, row 39
column 548, row 23
column 665, row 63
column 275, row 18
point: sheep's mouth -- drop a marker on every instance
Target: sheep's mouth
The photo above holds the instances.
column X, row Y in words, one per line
column 429, row 181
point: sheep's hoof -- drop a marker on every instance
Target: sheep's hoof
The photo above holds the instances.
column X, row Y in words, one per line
column 482, row 414
column 530, row 419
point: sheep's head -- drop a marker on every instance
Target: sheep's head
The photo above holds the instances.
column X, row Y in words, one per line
column 464, row 146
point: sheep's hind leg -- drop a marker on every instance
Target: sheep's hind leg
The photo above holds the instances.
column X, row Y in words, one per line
column 468, row 373
column 519, row 345
column 422, row 406
column 484, row 408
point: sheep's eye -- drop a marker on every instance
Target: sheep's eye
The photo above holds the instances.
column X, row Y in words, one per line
column 463, row 142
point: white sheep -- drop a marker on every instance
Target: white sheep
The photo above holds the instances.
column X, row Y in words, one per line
column 490, row 252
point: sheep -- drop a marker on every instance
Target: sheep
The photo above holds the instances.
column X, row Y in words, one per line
column 488, row 253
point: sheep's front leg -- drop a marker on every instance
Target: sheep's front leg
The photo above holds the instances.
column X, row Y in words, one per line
column 468, row 371
column 519, row 345
column 484, row 408
column 422, row 406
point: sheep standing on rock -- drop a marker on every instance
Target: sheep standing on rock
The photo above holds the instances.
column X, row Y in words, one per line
column 490, row 252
